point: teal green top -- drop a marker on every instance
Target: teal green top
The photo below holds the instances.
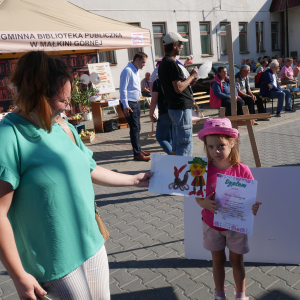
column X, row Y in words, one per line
column 52, row 212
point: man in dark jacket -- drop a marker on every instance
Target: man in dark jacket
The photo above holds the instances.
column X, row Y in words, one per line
column 270, row 88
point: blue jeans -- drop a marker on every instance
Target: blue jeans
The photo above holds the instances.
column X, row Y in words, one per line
column 183, row 129
column 284, row 94
column 164, row 133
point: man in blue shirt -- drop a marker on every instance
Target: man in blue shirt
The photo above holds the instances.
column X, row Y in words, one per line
column 130, row 92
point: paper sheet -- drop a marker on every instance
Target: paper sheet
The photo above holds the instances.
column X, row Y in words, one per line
column 178, row 175
column 236, row 196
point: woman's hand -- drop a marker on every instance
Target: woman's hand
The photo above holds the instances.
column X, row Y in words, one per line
column 142, row 179
column 208, row 203
column 27, row 287
column 255, row 207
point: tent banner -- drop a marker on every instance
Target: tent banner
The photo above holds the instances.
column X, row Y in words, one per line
column 13, row 41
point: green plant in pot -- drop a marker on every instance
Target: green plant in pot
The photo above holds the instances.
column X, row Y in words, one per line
column 82, row 97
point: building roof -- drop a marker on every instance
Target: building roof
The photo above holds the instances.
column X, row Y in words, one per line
column 280, row 5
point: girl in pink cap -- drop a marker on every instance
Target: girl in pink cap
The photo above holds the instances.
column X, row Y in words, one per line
column 223, row 157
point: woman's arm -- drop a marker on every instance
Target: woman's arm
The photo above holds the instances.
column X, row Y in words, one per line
column 154, row 100
column 106, row 177
column 217, row 91
column 26, row 284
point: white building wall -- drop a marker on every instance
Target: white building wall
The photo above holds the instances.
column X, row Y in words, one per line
column 294, row 23
column 192, row 11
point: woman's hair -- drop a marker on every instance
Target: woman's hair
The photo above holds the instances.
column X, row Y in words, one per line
column 38, row 78
column 234, row 156
column 288, row 60
column 219, row 70
column 274, row 63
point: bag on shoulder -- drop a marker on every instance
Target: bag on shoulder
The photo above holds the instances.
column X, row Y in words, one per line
column 257, row 79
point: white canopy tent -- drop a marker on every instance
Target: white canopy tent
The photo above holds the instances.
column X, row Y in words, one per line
column 62, row 27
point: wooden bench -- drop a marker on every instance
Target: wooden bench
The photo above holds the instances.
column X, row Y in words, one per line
column 145, row 99
column 202, row 99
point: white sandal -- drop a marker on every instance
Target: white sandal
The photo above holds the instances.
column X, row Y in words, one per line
column 236, row 298
column 218, row 297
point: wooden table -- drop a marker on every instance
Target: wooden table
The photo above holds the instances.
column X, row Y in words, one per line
column 97, row 116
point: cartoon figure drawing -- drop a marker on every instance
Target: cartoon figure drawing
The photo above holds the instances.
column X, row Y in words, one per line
column 197, row 169
column 178, row 183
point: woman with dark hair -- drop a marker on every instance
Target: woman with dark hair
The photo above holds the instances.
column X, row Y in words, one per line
column 220, row 93
column 49, row 238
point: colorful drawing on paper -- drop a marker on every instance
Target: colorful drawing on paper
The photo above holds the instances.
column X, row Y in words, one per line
column 178, row 175
column 180, row 183
column 198, row 169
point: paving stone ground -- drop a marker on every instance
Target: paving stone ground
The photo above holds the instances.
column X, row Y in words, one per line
column 146, row 244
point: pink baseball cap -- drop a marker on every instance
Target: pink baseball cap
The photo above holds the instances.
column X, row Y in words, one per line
column 220, row 126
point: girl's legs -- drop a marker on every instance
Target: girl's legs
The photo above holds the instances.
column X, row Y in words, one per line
column 237, row 262
column 219, row 260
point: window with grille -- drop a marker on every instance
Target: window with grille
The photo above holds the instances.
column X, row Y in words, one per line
column 274, row 36
column 205, row 38
column 183, row 30
column 243, row 37
column 259, row 28
column 158, row 36
column 223, row 38
column 107, row 56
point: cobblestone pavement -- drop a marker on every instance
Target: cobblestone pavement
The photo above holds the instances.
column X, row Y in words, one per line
column 146, row 247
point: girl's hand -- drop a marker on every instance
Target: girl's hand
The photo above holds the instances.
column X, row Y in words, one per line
column 142, row 179
column 255, row 207
column 27, row 287
column 208, row 203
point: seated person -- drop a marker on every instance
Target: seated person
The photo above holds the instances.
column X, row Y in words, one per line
column 220, row 93
column 296, row 68
column 259, row 60
column 253, row 65
column 287, row 74
column 262, row 66
column 270, row 88
column 244, row 91
column 145, row 86
column 189, row 60
column 248, row 63
column 164, row 123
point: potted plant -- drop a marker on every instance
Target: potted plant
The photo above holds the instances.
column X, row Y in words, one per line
column 82, row 98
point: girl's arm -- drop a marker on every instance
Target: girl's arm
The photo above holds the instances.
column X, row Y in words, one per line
column 106, row 177
column 26, row 284
column 208, row 203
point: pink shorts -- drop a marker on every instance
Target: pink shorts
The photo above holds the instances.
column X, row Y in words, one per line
column 214, row 240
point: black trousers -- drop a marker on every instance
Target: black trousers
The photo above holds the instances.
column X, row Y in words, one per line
column 227, row 104
column 134, row 125
column 251, row 104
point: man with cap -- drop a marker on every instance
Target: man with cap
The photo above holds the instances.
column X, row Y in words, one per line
column 178, row 93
